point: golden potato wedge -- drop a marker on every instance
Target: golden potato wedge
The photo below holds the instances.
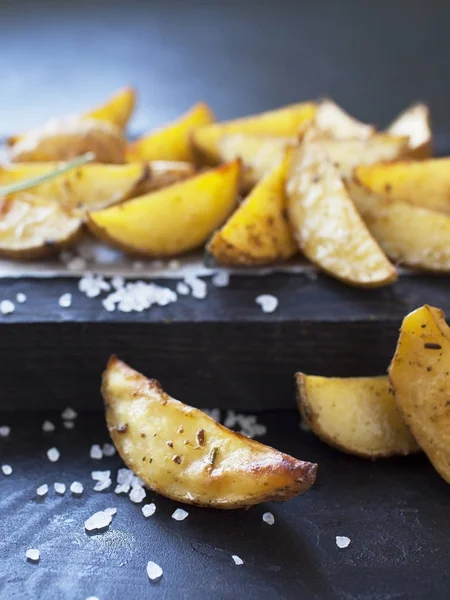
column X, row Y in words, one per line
column 414, row 122
column 259, row 155
column 332, row 120
column 258, row 232
column 173, row 140
column 33, row 227
column 63, row 139
column 159, row 174
column 180, row 452
column 117, row 110
column 423, row 183
column 357, row 415
column 288, row 121
column 419, row 378
column 176, row 219
column 409, row 234
column 326, row 225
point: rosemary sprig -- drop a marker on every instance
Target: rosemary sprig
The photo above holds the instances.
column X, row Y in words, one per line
column 20, row 186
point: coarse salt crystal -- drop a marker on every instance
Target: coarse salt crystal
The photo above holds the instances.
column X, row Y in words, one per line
column 117, row 282
column 122, row 488
column 174, row 264
column 76, row 488
column 5, row 431
column 99, row 520
column 42, row 490
column 108, row 450
column 21, row 298
column 110, row 511
column 7, row 307
column 267, row 302
column 221, row 279
column 180, row 514
column 148, row 510
column 214, row 413
column 100, row 475
column 124, row 476
column 154, row 571
column 53, row 454
column 48, row 426
column 268, row 518
column 76, row 264
column 182, row 288
column 96, row 452
column 93, row 285
column 68, row 414
column 136, row 482
column 137, row 494
column 6, row 469
column 69, row 424
column 198, row 286
column 60, row 488
column 65, row 300
column 342, row 541
column 237, row 559
column 33, row 554
column 102, row 485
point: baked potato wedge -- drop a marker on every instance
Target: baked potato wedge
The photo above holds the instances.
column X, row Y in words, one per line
column 259, row 155
column 176, row 219
column 423, row 183
column 173, row 140
column 288, row 121
column 181, row 453
column 334, row 121
column 33, row 227
column 421, row 385
column 117, row 110
column 326, row 225
column 63, row 139
column 258, row 232
column 414, row 122
column 408, row 234
column 357, row 415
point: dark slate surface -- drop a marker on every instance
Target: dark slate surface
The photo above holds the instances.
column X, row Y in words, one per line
column 395, row 512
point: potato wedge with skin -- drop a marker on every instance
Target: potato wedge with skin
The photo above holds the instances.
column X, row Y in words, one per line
column 173, row 140
column 411, row 235
column 288, row 121
column 258, row 232
column 423, row 183
column 34, row 227
column 331, row 119
column 176, row 219
column 181, row 453
column 414, row 122
column 357, row 415
column 420, row 381
column 63, row 139
column 326, row 225
column 117, row 110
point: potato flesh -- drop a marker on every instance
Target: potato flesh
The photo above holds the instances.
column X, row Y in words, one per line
column 337, row 123
column 414, row 123
column 419, row 375
column 117, row 110
column 185, row 455
column 409, row 234
column 172, row 141
column 327, row 226
column 258, row 232
column 357, row 415
column 423, row 183
column 173, row 220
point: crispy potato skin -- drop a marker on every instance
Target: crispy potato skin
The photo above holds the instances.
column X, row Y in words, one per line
column 356, row 415
column 185, row 455
column 419, row 376
column 176, row 219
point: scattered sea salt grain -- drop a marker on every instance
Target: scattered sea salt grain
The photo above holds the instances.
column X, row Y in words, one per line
column 214, row 413
column 96, row 452
column 53, row 454
column 5, row 431
column 102, row 485
column 68, row 414
column 180, row 514
column 48, row 426
column 138, row 296
column 33, row 554
column 268, row 518
column 247, row 424
column 117, row 282
column 148, row 510
column 6, row 469
column 7, row 307
column 122, row 488
column 108, row 450
column 137, row 494
column 124, row 476
column 154, row 571
column 21, row 298
column 76, row 488
column 221, row 279
column 93, row 285
column 65, row 300
column 237, row 560
column 342, row 541
column 182, row 288
column 100, row 475
column 136, row 482
column 110, row 511
column 267, row 302
column 174, row 264
column 42, row 490
column 69, row 424
column 99, row 520
column 198, row 286
column 60, row 488
column 76, row 264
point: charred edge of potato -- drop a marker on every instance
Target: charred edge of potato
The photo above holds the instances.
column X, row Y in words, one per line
column 228, row 255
